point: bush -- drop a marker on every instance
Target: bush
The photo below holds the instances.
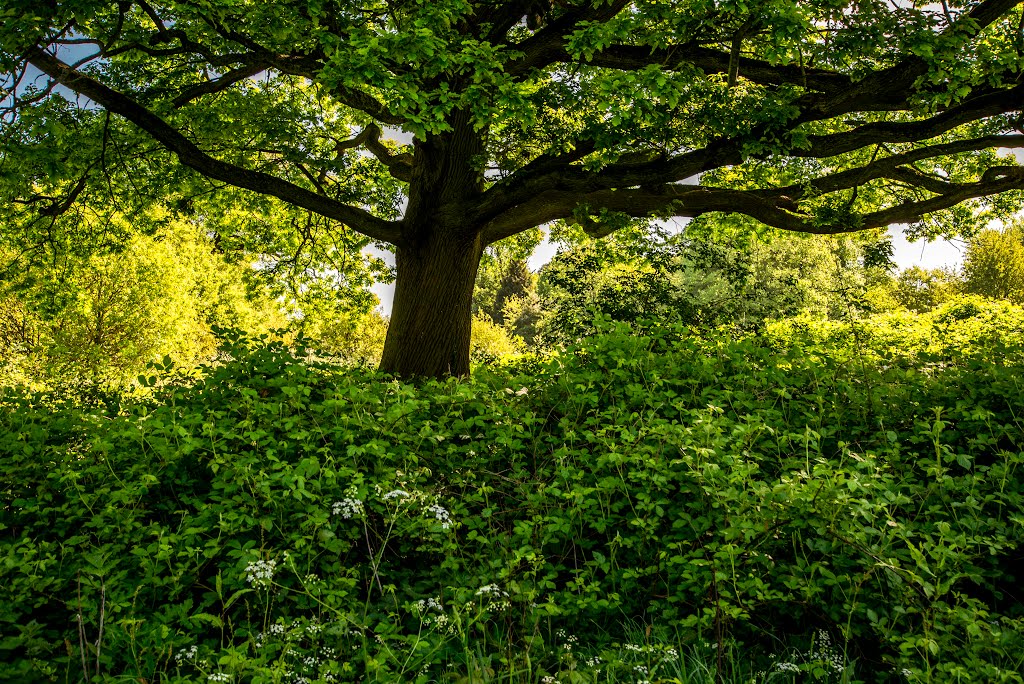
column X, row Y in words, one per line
column 279, row 519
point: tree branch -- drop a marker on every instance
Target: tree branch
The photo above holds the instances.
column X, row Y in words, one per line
column 882, row 90
column 192, row 156
column 887, row 166
column 772, row 208
column 260, row 58
column 531, row 181
column 542, row 48
column 399, row 165
column 636, row 57
column 990, row 104
column 218, row 84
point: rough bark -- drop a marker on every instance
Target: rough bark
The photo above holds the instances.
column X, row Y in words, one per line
column 431, row 315
column 437, row 257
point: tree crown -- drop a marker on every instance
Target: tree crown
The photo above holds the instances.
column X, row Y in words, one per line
column 819, row 116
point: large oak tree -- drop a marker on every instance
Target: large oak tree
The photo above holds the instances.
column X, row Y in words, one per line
column 824, row 116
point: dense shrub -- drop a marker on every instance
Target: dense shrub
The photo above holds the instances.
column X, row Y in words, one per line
column 279, row 519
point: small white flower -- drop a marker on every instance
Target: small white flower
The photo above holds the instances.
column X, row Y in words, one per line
column 441, row 514
column 397, row 494
column 219, row 677
column 186, row 654
column 491, row 590
column 348, row 508
column 522, row 392
column 260, row 573
column 423, row 605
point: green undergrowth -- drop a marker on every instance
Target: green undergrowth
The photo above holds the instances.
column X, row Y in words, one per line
column 826, row 505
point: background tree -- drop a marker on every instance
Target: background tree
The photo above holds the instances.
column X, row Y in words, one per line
column 100, row 319
column 504, row 273
column 704, row 281
column 922, row 289
column 820, row 117
column 994, row 264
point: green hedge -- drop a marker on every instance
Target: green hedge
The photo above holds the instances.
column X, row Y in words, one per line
column 280, row 519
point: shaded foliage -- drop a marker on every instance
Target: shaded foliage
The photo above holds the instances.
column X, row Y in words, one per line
column 860, row 479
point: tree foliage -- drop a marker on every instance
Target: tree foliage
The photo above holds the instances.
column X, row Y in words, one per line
column 922, row 289
column 99, row 319
column 703, row 282
column 994, row 265
column 820, row 117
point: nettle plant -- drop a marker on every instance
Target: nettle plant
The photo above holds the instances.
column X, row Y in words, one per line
column 281, row 519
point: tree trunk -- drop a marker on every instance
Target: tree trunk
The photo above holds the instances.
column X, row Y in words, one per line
column 431, row 316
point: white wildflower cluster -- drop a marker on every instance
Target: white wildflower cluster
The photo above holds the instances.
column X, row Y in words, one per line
column 424, row 605
column 568, row 641
column 548, row 679
column 667, row 653
column 260, row 573
column 314, row 627
column 397, row 494
column 348, row 508
column 186, row 655
column 219, row 677
column 441, row 514
column 521, row 392
column 826, row 654
column 496, row 597
column 823, row 655
column 274, row 630
column 441, row 622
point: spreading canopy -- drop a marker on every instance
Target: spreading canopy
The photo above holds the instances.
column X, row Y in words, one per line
column 825, row 116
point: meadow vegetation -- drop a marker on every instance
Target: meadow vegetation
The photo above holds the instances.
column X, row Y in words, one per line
column 813, row 501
